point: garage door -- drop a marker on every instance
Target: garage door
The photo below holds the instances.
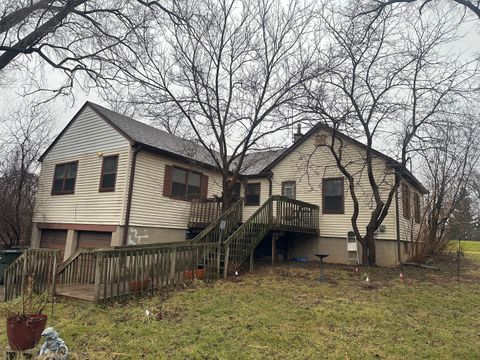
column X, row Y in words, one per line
column 54, row 239
column 94, row 239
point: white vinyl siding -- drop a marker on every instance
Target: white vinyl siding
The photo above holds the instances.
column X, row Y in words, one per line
column 83, row 141
column 149, row 206
column 408, row 227
column 321, row 165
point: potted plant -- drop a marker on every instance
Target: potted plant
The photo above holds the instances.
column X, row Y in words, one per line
column 138, row 285
column 199, row 273
column 25, row 318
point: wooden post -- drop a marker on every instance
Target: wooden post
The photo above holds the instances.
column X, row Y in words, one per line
column 98, row 276
column 274, row 247
column 225, row 262
column 251, row 260
column 173, row 258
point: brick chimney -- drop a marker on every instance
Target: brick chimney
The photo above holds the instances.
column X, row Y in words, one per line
column 298, row 135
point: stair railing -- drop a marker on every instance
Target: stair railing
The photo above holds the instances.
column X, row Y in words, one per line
column 242, row 242
column 290, row 215
column 220, row 229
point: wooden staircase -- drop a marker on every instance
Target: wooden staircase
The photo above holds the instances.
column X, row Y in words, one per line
column 277, row 213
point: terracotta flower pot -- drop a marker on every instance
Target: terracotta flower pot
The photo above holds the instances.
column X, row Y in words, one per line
column 138, row 285
column 24, row 331
column 199, row 273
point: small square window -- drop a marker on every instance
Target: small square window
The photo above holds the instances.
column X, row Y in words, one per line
column 289, row 189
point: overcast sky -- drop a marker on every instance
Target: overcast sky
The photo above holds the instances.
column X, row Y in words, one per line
column 65, row 107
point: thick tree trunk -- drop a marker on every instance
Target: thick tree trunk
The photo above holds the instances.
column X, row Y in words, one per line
column 227, row 194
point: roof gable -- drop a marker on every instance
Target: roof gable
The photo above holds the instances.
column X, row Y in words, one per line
column 389, row 161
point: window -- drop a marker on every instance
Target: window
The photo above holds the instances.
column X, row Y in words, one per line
column 333, row 196
column 406, row 201
column 185, row 184
column 108, row 176
column 252, row 194
column 64, row 178
column 288, row 189
column 416, row 207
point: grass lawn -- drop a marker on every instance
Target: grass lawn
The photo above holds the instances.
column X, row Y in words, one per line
column 282, row 312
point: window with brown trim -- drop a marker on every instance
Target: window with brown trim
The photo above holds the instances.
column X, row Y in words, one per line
column 108, row 177
column 333, row 196
column 289, row 189
column 416, row 208
column 64, row 178
column 252, row 194
column 184, row 184
column 406, row 201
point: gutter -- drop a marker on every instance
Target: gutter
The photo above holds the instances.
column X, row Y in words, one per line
column 136, row 150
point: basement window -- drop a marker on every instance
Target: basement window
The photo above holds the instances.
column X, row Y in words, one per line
column 333, row 199
column 252, row 194
column 108, row 176
column 64, row 178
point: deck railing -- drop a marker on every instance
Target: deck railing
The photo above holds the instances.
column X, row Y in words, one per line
column 40, row 264
column 121, row 273
column 295, row 215
column 290, row 215
column 78, row 269
column 222, row 227
column 203, row 212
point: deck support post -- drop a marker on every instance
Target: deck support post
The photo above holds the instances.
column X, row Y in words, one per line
column 251, row 260
column 274, row 247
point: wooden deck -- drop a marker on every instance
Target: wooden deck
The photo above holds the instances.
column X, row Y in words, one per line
column 86, row 292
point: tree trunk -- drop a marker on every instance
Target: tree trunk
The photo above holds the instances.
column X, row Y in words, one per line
column 227, row 194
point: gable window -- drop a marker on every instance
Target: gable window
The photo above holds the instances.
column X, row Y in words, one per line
column 289, row 189
column 406, row 201
column 108, row 176
column 416, row 207
column 333, row 200
column 252, row 194
column 64, row 178
column 184, row 184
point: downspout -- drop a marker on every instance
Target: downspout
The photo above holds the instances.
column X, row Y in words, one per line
column 397, row 223
column 270, row 186
column 136, row 150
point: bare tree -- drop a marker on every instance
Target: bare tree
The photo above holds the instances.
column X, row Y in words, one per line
column 388, row 82
column 227, row 78
column 379, row 6
column 70, row 36
column 25, row 134
column 448, row 160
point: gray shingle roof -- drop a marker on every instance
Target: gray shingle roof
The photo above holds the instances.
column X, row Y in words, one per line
column 254, row 163
column 151, row 136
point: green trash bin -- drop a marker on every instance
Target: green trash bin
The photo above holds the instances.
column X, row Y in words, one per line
column 7, row 257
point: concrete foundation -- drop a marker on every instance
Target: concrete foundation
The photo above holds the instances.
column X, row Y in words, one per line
column 305, row 247
column 147, row 235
